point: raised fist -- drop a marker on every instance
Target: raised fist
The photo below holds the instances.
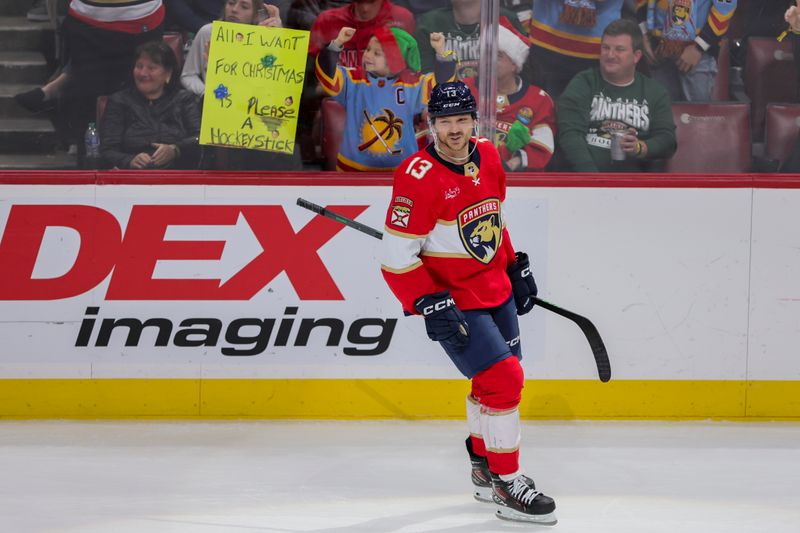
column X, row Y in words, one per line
column 437, row 42
column 345, row 34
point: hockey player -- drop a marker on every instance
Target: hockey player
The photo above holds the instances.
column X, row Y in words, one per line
column 447, row 256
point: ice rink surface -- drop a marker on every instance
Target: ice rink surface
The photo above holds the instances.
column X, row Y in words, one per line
column 390, row 476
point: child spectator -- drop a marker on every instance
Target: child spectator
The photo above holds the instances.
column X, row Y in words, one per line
column 685, row 35
column 381, row 98
column 525, row 113
column 365, row 16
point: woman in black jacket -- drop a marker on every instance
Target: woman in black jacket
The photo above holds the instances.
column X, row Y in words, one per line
column 153, row 124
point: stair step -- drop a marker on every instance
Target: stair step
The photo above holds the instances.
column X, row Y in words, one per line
column 18, row 33
column 55, row 161
column 27, row 135
column 8, row 107
column 23, row 67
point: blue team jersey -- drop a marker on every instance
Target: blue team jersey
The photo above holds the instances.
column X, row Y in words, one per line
column 379, row 124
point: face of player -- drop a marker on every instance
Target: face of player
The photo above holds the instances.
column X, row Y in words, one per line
column 618, row 59
column 453, row 134
column 241, row 11
column 374, row 60
column 367, row 9
column 150, row 77
column 505, row 67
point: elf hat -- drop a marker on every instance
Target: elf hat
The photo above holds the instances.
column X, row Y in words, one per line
column 512, row 42
column 399, row 47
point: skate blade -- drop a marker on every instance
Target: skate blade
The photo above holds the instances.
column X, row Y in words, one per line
column 482, row 494
column 505, row 513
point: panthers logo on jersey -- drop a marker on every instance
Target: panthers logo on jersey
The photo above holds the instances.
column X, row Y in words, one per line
column 480, row 229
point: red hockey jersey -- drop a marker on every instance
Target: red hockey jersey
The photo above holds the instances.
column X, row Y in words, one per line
column 445, row 230
column 534, row 109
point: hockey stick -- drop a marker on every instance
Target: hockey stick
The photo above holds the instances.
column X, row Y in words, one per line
column 587, row 327
column 396, row 151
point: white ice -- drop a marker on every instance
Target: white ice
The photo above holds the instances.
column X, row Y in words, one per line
column 390, row 476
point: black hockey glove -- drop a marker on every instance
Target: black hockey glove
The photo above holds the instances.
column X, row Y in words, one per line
column 444, row 321
column 522, row 283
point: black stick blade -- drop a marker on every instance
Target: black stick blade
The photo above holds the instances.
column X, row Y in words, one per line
column 592, row 335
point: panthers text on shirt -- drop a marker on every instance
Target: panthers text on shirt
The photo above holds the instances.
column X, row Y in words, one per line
column 631, row 112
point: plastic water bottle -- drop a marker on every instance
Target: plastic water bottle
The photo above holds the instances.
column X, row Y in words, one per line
column 92, row 141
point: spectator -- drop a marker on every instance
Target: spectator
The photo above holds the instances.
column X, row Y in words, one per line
column 152, row 124
column 191, row 15
column 364, row 16
column 193, row 77
column 382, row 98
column 615, row 98
column 682, row 44
column 461, row 26
column 565, row 39
column 525, row 113
column 792, row 16
column 99, row 39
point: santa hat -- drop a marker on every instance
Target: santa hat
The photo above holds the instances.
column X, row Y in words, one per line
column 512, row 42
column 399, row 47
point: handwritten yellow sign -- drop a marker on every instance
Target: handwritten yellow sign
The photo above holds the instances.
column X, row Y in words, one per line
column 254, row 82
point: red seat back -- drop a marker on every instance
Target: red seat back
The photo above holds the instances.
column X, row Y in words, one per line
column 783, row 124
column 175, row 41
column 333, row 116
column 712, row 137
column 770, row 75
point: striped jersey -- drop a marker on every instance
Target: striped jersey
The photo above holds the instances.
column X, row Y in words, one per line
column 379, row 125
column 548, row 31
column 445, row 230
column 686, row 20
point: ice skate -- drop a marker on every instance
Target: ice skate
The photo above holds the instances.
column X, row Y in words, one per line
column 481, row 477
column 519, row 500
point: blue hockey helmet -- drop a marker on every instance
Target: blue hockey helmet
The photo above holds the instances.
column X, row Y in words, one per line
column 451, row 98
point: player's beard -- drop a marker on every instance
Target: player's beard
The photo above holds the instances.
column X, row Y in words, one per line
column 455, row 144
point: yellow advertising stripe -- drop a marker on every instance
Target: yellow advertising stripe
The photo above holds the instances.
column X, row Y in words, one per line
column 390, row 398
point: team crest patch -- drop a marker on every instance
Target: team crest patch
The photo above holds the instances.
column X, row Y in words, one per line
column 480, row 229
column 400, row 216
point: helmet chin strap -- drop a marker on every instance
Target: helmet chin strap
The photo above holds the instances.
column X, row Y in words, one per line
column 456, row 160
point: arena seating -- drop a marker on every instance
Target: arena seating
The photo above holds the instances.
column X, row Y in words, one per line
column 770, row 75
column 175, row 41
column 712, row 137
column 783, row 124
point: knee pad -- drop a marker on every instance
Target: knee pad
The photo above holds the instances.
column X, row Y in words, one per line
column 499, row 387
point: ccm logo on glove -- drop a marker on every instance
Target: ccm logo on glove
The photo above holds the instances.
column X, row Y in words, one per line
column 438, row 306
